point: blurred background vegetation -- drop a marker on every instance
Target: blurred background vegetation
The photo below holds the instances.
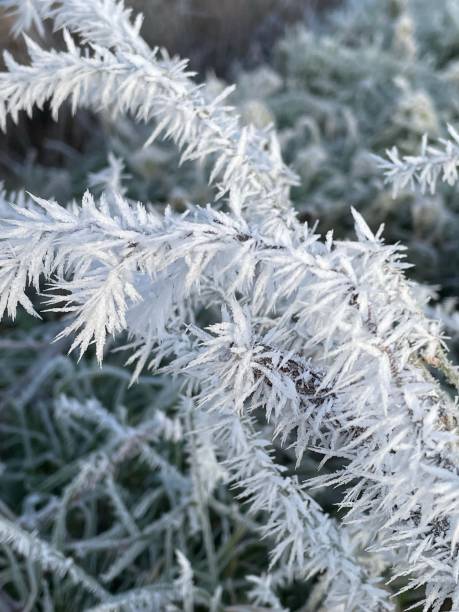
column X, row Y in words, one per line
column 212, row 34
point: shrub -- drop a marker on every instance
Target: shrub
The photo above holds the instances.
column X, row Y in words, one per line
column 267, row 343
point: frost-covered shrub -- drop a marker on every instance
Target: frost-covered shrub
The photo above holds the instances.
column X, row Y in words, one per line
column 373, row 74
column 251, row 343
column 338, row 92
column 366, row 76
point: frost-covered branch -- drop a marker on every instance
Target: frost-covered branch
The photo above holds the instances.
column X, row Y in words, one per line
column 426, row 169
column 104, row 22
column 307, row 542
column 31, row 547
column 149, row 85
column 202, row 243
column 369, row 296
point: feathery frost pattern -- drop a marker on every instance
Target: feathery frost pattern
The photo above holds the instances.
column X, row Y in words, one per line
column 282, row 342
column 425, row 169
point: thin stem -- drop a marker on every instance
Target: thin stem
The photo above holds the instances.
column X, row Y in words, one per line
column 202, row 505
